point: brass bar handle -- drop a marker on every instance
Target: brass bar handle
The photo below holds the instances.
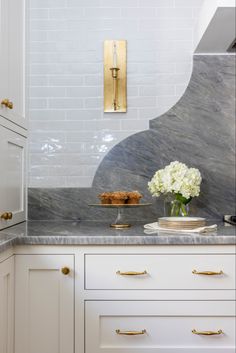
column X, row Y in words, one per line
column 207, row 333
column 65, row 271
column 207, row 273
column 131, row 333
column 131, row 273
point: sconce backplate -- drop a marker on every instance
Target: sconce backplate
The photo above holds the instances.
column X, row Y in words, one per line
column 115, row 88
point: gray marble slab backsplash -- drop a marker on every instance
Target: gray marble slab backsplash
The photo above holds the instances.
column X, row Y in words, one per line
column 199, row 131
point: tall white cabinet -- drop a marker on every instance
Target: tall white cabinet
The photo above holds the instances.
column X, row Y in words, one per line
column 7, row 305
column 13, row 125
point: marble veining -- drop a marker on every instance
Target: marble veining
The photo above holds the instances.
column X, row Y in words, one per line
column 199, row 131
column 99, row 233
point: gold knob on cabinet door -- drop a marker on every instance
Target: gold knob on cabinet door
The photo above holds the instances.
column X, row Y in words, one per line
column 4, row 216
column 7, row 103
column 65, row 270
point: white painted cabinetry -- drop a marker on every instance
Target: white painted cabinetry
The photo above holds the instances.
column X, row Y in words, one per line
column 134, row 299
column 13, row 177
column 44, row 304
column 12, row 61
column 160, row 327
column 7, row 306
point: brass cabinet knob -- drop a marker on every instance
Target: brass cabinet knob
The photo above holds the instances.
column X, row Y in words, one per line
column 65, row 270
column 7, row 103
column 4, row 216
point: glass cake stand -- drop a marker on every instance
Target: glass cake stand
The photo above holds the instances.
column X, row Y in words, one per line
column 120, row 223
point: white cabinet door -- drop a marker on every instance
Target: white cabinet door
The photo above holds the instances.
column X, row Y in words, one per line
column 12, row 177
column 160, row 327
column 12, row 60
column 44, row 304
column 7, row 306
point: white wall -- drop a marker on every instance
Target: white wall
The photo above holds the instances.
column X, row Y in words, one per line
column 69, row 133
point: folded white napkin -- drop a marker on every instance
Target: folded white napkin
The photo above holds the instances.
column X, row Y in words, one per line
column 153, row 227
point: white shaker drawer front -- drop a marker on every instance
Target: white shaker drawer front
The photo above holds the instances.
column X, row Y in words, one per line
column 160, row 327
column 159, row 271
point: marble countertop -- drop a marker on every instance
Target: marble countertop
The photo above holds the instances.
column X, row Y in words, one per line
column 98, row 233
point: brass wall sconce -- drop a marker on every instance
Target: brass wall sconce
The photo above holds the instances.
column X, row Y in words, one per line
column 115, row 91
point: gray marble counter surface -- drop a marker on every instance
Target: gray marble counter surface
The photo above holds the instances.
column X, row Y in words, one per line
column 98, row 233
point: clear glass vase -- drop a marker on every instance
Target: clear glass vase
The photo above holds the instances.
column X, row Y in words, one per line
column 175, row 208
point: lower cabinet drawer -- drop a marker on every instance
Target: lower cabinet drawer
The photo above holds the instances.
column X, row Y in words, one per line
column 159, row 271
column 160, row 327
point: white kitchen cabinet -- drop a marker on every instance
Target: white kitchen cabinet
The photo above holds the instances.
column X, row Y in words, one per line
column 160, row 327
column 13, row 178
column 12, row 61
column 7, row 306
column 44, row 304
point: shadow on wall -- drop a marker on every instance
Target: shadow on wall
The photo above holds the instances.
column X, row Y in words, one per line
column 199, row 131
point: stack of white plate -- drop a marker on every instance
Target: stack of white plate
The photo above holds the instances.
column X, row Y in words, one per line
column 181, row 222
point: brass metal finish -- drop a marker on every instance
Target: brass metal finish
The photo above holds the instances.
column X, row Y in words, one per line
column 207, row 273
column 131, row 333
column 4, row 216
column 120, row 226
column 7, row 103
column 9, row 215
column 207, row 333
column 115, row 80
column 65, row 270
column 131, row 273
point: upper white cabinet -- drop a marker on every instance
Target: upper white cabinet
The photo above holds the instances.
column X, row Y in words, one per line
column 12, row 61
column 12, row 177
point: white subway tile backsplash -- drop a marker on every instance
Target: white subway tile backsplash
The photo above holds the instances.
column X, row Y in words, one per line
column 156, row 3
column 65, row 103
column 69, row 132
column 48, row 92
column 93, row 91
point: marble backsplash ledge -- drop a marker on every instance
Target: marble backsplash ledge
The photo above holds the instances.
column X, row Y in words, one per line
column 199, row 131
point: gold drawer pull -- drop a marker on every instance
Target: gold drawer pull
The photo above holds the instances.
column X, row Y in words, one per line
column 130, row 333
column 207, row 333
column 131, row 273
column 207, row 273
column 65, row 270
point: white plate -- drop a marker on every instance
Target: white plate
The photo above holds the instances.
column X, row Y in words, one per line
column 182, row 219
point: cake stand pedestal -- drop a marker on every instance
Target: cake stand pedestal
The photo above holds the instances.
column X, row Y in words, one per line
column 120, row 222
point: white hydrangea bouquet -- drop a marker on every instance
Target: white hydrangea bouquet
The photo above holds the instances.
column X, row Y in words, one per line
column 181, row 182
